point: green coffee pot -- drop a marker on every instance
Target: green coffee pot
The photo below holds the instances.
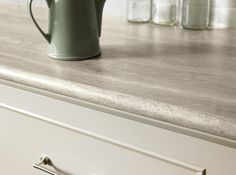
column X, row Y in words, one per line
column 74, row 28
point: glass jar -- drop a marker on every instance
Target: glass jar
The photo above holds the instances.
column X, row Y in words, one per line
column 222, row 14
column 195, row 14
column 180, row 12
column 165, row 12
column 138, row 10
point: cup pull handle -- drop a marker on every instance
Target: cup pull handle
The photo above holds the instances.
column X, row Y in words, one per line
column 46, row 36
column 45, row 161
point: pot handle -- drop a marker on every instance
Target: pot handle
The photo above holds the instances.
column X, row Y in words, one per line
column 46, row 36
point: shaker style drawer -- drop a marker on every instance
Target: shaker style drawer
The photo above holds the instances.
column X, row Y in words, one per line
column 81, row 139
column 24, row 140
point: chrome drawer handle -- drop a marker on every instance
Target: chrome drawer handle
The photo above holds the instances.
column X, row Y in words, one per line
column 45, row 161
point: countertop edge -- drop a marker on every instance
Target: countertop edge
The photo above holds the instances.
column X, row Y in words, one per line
column 199, row 121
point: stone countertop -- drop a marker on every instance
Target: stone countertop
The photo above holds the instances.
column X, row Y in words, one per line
column 181, row 77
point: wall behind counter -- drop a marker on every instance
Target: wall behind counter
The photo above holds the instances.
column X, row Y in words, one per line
column 112, row 7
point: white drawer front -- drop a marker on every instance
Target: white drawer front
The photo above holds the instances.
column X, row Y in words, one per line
column 25, row 139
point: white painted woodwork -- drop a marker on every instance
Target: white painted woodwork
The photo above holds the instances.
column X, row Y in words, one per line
column 84, row 141
column 26, row 139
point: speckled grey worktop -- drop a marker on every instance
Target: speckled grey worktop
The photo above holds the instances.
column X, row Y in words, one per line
column 186, row 78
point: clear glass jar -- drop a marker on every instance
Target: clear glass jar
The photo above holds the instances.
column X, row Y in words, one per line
column 222, row 14
column 195, row 14
column 165, row 12
column 138, row 10
column 180, row 12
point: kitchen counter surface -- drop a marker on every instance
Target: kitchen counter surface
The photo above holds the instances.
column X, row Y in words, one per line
column 185, row 78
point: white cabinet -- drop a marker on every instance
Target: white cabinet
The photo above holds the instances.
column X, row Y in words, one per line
column 25, row 139
column 83, row 141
